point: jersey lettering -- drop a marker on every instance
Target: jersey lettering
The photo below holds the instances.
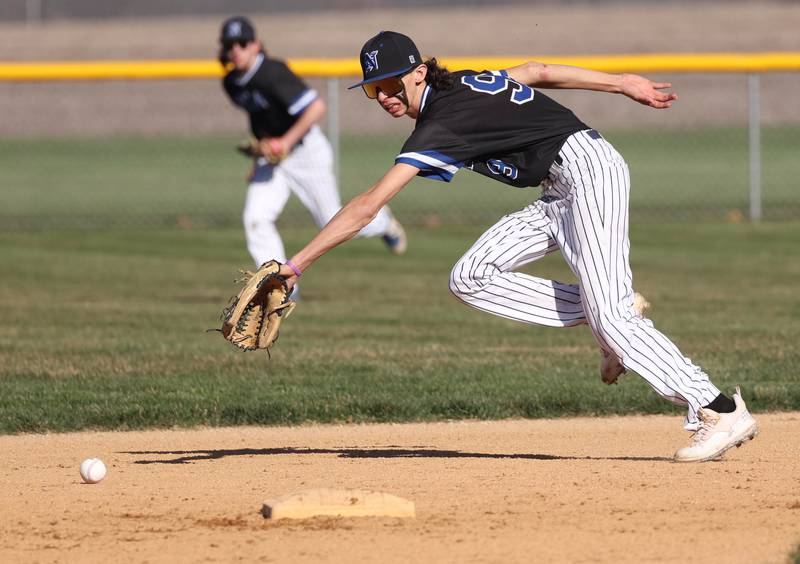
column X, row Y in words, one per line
column 495, row 84
column 252, row 101
column 509, row 137
column 498, row 167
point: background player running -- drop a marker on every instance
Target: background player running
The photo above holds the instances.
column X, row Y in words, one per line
column 493, row 123
column 291, row 152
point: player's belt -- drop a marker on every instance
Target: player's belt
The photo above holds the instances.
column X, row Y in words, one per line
column 593, row 133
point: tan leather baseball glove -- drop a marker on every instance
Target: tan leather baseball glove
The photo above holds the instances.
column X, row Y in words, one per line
column 270, row 148
column 254, row 316
column 249, row 148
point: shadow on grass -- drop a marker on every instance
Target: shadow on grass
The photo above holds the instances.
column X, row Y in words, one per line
column 188, row 456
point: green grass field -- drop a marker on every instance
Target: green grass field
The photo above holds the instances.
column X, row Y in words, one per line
column 676, row 174
column 106, row 329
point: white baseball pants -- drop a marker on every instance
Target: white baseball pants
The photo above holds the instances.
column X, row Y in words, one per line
column 308, row 172
column 584, row 213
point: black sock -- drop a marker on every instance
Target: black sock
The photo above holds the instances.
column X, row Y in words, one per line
column 722, row 404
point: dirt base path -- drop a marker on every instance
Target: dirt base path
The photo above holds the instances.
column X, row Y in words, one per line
column 570, row 490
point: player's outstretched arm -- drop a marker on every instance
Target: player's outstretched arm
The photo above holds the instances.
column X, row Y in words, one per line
column 633, row 86
column 351, row 219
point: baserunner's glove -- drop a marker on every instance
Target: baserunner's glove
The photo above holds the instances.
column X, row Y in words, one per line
column 254, row 316
column 271, row 148
column 249, row 148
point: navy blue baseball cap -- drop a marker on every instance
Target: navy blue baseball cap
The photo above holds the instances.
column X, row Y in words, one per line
column 237, row 28
column 387, row 54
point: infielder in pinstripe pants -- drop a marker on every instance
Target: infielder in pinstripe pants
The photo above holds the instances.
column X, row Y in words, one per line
column 292, row 154
column 494, row 123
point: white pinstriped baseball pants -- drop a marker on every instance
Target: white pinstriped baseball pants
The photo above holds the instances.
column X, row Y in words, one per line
column 308, row 172
column 584, row 213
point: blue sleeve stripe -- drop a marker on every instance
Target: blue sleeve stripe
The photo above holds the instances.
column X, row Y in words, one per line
column 300, row 103
column 425, row 169
column 432, row 159
column 441, row 176
column 410, row 161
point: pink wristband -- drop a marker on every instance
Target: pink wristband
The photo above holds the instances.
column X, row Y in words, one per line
column 293, row 266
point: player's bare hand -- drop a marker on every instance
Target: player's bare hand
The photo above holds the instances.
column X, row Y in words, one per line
column 289, row 275
column 274, row 149
column 647, row 92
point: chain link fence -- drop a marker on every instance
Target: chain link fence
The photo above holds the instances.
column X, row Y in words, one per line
column 155, row 153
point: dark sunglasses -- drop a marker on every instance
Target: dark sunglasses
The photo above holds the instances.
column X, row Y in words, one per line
column 228, row 45
column 391, row 86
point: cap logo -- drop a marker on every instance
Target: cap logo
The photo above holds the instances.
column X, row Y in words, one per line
column 370, row 61
column 235, row 29
column 411, row 59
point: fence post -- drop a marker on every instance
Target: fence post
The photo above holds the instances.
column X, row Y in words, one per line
column 333, row 123
column 34, row 12
column 754, row 127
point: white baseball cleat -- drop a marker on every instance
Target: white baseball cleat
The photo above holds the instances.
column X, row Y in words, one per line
column 640, row 304
column 395, row 237
column 610, row 367
column 719, row 432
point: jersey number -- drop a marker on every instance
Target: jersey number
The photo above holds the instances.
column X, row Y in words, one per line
column 496, row 166
column 495, row 84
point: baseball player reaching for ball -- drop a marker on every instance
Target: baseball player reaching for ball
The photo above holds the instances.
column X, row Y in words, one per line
column 290, row 152
column 495, row 124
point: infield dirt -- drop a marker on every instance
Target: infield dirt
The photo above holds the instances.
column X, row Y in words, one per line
column 566, row 490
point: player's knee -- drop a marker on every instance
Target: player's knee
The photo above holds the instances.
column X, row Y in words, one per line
column 456, row 289
column 465, row 280
column 255, row 220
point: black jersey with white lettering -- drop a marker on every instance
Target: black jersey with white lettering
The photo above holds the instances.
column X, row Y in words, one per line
column 271, row 93
column 490, row 124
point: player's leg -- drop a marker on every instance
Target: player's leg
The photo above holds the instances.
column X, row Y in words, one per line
column 485, row 279
column 593, row 235
column 266, row 197
column 310, row 170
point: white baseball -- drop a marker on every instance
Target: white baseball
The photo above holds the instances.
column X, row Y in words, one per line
column 92, row 470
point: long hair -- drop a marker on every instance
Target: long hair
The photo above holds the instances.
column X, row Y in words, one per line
column 438, row 77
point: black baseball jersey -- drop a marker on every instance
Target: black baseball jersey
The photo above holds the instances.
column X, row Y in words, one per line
column 490, row 124
column 271, row 93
